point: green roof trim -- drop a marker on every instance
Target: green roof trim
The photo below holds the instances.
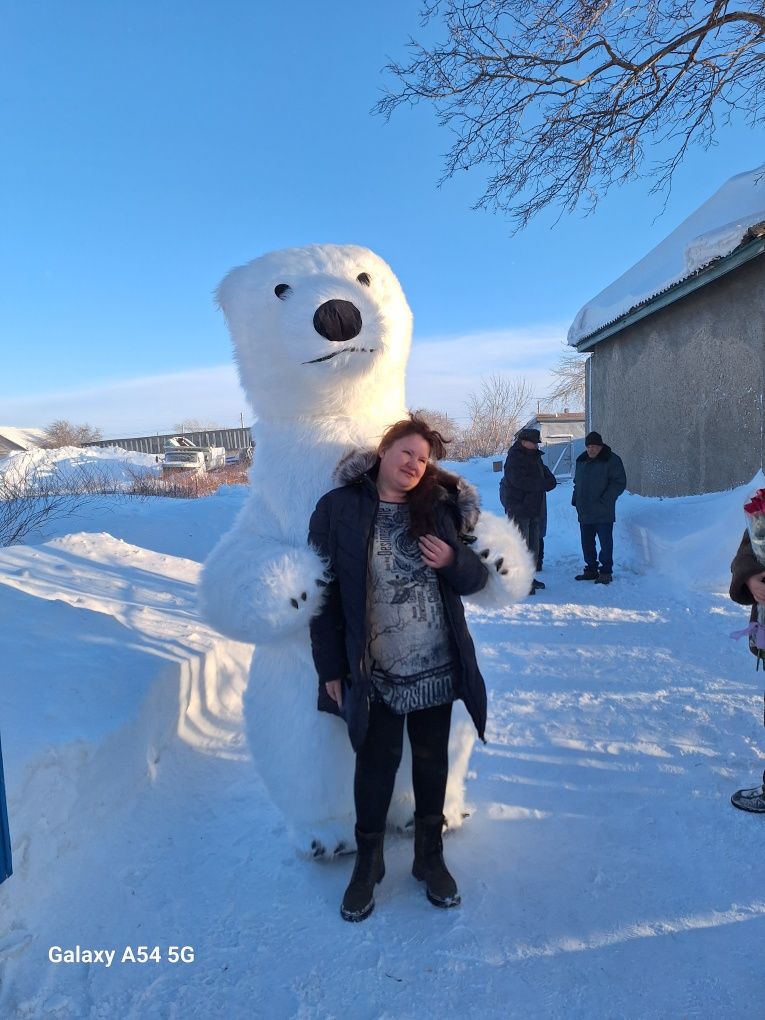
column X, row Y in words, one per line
column 720, row 267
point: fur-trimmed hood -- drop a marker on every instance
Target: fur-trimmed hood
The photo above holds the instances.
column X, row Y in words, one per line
column 352, row 467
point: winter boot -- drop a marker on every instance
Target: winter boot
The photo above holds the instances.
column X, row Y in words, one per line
column 440, row 887
column 588, row 574
column 750, row 800
column 604, row 578
column 359, row 900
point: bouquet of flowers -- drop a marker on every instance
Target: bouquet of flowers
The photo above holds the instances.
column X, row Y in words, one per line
column 754, row 511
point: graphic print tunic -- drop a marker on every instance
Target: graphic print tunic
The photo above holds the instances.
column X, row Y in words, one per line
column 408, row 649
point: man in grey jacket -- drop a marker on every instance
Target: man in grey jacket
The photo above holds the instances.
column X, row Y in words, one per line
column 599, row 480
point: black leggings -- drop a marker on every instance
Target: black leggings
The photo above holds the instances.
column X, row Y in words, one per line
column 378, row 759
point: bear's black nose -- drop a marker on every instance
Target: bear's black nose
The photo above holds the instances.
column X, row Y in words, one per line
column 337, row 320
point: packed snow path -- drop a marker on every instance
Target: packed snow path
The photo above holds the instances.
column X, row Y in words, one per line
column 603, row 871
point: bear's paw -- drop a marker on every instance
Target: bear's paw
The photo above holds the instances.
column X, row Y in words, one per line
column 511, row 567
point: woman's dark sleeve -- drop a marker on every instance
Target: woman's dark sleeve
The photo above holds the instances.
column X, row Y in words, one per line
column 745, row 565
column 328, row 625
column 468, row 573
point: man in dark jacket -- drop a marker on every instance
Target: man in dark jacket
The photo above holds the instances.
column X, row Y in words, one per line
column 599, row 480
column 523, row 490
column 747, row 587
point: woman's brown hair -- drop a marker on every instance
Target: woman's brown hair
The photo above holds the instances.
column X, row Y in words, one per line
column 422, row 498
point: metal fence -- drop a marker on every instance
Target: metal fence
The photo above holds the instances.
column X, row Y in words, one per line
column 229, row 439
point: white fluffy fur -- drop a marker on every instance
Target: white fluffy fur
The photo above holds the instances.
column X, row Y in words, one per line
column 308, row 417
column 510, row 581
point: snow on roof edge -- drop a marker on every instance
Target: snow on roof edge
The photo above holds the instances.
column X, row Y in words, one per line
column 714, row 231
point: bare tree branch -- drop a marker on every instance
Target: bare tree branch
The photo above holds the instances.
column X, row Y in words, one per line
column 495, row 415
column 568, row 389
column 562, row 99
column 63, row 433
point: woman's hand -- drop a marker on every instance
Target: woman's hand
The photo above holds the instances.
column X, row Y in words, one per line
column 756, row 586
column 334, row 689
column 436, row 552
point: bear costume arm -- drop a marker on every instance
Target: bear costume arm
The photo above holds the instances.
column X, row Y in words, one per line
column 468, row 573
column 257, row 587
column 510, row 564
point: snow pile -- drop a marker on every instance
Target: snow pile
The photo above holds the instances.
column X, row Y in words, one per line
column 711, row 232
column 601, row 846
column 72, row 468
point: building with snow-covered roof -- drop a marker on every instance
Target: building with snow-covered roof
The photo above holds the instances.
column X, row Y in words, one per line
column 12, row 440
column 562, row 435
column 676, row 373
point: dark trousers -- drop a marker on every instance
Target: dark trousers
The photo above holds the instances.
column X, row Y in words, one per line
column 605, row 535
column 531, row 529
column 379, row 756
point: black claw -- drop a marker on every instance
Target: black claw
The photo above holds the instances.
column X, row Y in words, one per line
column 498, row 564
column 484, row 554
column 320, row 583
column 503, row 572
column 294, row 603
column 303, row 597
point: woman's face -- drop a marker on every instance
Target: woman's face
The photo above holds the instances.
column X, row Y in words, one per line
column 403, row 464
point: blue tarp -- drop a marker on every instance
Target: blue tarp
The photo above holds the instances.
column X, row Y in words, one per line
column 5, row 835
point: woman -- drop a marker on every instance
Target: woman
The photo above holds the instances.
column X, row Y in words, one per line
column 391, row 643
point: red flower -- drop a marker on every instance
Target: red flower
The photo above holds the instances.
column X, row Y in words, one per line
column 756, row 504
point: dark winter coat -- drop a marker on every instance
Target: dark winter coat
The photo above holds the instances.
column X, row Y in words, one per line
column 598, row 483
column 525, row 482
column 341, row 530
column 5, row 837
column 745, row 565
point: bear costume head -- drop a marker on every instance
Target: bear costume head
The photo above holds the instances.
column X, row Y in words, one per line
column 318, row 331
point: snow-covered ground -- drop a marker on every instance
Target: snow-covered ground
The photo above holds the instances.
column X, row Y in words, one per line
column 75, row 468
column 603, row 870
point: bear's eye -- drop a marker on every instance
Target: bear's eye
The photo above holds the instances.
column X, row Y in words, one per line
column 364, row 278
column 282, row 291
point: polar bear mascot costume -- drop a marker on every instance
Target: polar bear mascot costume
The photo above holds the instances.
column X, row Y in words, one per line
column 321, row 337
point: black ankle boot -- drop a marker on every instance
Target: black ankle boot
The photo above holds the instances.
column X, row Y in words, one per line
column 441, row 889
column 359, row 900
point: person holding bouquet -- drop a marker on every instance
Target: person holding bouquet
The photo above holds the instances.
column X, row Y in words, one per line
column 747, row 587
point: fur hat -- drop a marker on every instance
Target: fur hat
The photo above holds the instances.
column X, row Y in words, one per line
column 593, row 439
column 532, row 435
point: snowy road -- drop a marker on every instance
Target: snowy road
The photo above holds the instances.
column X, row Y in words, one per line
column 603, row 871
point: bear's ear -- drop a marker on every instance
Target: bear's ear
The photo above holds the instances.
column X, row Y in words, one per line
column 282, row 291
column 364, row 278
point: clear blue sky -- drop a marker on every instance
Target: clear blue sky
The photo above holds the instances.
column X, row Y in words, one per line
column 150, row 145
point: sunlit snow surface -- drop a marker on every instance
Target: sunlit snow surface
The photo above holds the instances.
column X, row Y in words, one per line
column 603, row 870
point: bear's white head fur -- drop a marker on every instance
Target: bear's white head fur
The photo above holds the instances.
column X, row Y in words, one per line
column 319, row 332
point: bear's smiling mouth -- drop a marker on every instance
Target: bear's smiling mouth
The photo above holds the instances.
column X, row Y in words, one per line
column 345, row 350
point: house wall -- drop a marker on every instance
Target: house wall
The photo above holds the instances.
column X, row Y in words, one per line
column 550, row 430
column 679, row 394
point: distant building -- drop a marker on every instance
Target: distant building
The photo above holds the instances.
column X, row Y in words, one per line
column 562, row 438
column 12, row 440
column 676, row 376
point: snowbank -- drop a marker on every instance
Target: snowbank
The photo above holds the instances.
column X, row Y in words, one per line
column 712, row 231
column 72, row 467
